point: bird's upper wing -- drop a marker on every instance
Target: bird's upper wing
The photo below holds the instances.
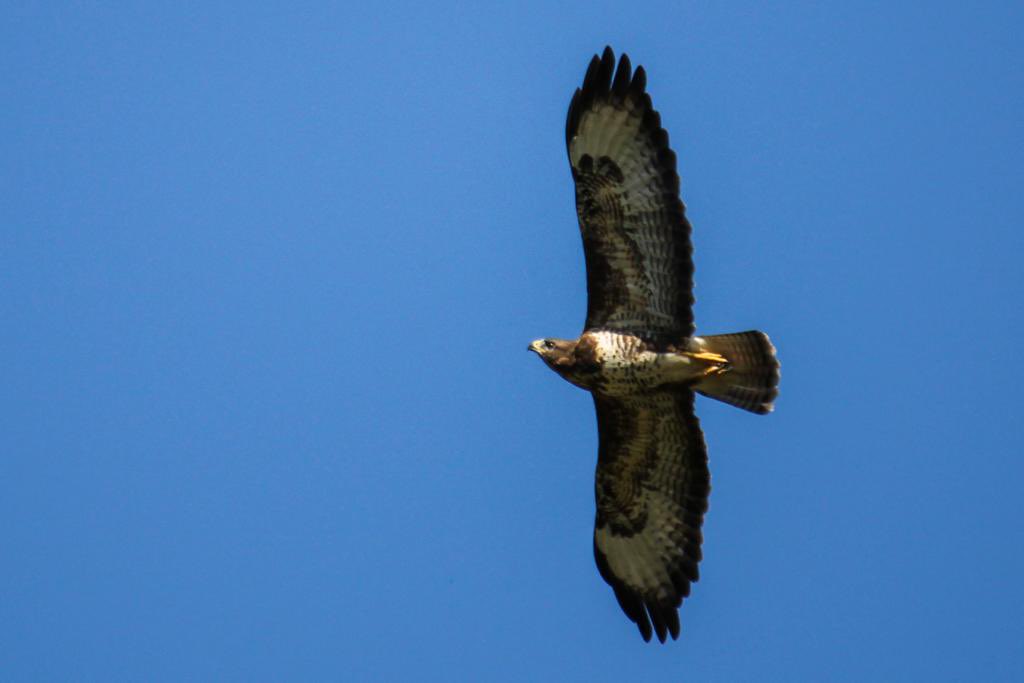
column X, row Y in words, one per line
column 635, row 234
column 652, row 489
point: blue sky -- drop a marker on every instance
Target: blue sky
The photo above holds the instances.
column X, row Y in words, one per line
column 268, row 278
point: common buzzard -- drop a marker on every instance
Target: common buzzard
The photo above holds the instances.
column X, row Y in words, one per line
column 638, row 355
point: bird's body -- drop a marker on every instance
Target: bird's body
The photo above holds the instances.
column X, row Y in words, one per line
column 638, row 355
column 619, row 364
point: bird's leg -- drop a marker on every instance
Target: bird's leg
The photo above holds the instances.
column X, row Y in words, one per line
column 716, row 364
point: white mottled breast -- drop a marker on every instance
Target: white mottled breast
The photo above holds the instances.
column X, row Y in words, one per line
column 626, row 366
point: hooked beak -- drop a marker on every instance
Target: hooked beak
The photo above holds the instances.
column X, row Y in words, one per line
column 535, row 347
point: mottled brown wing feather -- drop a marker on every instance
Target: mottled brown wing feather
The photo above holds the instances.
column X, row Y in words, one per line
column 652, row 488
column 635, row 234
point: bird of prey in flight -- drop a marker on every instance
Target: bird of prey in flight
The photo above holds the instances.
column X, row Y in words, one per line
column 638, row 354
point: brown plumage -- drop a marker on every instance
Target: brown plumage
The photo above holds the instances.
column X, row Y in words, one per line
column 638, row 355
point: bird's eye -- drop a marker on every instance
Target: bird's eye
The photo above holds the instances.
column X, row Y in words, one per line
column 548, row 344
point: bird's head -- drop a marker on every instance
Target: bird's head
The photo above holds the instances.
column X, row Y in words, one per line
column 557, row 353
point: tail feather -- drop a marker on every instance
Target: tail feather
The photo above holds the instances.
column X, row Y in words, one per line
column 751, row 380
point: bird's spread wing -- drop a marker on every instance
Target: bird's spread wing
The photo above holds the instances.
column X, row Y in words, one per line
column 635, row 233
column 652, row 489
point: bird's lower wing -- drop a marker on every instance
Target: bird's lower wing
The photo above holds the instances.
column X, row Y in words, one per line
column 652, row 489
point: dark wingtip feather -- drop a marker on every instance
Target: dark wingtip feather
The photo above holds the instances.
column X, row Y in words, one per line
column 666, row 619
column 620, row 86
column 634, row 609
column 644, row 625
column 591, row 75
column 639, row 82
column 673, row 623
column 604, row 74
column 658, row 617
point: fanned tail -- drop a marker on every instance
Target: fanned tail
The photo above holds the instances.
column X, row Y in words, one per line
column 751, row 379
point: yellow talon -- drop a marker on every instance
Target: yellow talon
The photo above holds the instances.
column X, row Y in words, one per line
column 717, row 364
column 712, row 357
